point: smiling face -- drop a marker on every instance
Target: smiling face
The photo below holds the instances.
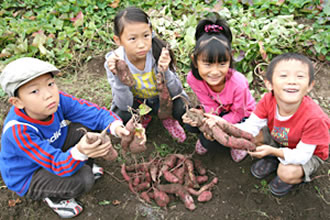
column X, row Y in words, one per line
column 290, row 83
column 39, row 97
column 214, row 74
column 136, row 38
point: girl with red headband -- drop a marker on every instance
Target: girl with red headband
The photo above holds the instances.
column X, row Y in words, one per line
column 220, row 89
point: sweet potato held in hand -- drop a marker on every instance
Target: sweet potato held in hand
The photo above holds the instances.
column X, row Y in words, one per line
column 124, row 74
column 165, row 100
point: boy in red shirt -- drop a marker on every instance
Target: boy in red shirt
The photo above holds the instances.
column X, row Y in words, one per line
column 295, row 129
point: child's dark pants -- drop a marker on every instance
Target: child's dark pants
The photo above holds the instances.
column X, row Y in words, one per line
column 45, row 184
column 178, row 108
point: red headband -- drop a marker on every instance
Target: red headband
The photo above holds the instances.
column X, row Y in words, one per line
column 213, row 28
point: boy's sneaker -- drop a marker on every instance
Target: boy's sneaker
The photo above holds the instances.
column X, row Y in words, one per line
column 238, row 155
column 174, row 128
column 65, row 208
column 145, row 120
column 199, row 148
column 97, row 171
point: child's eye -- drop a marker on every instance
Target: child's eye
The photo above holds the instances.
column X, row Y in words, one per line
column 282, row 75
column 132, row 38
column 51, row 84
column 35, row 91
column 146, row 35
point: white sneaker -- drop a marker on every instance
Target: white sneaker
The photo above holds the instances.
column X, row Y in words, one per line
column 65, row 208
column 97, row 171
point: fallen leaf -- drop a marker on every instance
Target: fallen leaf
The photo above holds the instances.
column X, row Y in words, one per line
column 104, row 202
column 262, row 51
column 12, row 202
column 116, row 202
column 114, row 4
column 78, row 20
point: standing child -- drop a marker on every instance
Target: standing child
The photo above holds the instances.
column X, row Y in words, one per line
column 295, row 129
column 42, row 157
column 145, row 55
column 220, row 89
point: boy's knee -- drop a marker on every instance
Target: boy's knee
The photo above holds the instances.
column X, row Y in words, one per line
column 290, row 173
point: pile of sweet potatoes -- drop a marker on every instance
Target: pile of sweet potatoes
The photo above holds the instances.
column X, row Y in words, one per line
column 162, row 178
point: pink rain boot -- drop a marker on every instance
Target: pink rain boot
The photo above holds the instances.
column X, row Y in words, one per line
column 175, row 129
column 238, row 155
column 199, row 148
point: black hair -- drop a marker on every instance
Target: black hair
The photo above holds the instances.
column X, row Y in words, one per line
column 133, row 14
column 213, row 39
column 286, row 57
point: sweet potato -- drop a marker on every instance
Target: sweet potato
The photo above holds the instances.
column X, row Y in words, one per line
column 124, row 173
column 153, row 171
column 91, row 138
column 208, row 186
column 199, row 167
column 179, row 173
column 202, row 179
column 161, row 198
column 190, row 169
column 205, row 196
column 142, row 186
column 179, row 190
column 234, row 131
column 136, row 146
column 136, row 181
column 126, row 140
column 230, row 141
column 144, row 195
column 169, row 177
column 124, row 74
column 165, row 100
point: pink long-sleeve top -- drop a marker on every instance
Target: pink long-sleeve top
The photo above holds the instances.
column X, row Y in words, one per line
column 235, row 98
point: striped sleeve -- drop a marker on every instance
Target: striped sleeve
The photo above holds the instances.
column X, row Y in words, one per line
column 30, row 145
column 86, row 113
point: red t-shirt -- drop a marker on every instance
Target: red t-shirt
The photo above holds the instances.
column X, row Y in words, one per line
column 309, row 124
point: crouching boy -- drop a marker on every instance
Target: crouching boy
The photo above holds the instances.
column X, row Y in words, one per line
column 295, row 129
column 42, row 157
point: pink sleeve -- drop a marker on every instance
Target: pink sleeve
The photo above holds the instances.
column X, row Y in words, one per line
column 201, row 92
column 243, row 106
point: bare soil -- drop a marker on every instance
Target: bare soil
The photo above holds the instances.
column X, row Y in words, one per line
column 238, row 195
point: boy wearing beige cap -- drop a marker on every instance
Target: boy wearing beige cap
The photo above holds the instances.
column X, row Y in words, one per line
column 39, row 148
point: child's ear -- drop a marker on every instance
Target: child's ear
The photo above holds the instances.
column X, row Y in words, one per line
column 310, row 86
column 193, row 60
column 116, row 39
column 17, row 102
column 269, row 85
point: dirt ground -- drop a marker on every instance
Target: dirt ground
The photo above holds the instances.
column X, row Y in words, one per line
column 238, row 195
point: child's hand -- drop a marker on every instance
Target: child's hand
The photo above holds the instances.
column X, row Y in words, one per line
column 95, row 149
column 164, row 60
column 121, row 131
column 262, row 151
column 188, row 121
column 112, row 62
column 211, row 120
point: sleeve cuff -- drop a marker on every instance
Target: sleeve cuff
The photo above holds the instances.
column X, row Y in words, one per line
column 114, row 125
column 77, row 155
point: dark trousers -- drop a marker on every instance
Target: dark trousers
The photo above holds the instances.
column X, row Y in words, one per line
column 45, row 184
column 178, row 108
